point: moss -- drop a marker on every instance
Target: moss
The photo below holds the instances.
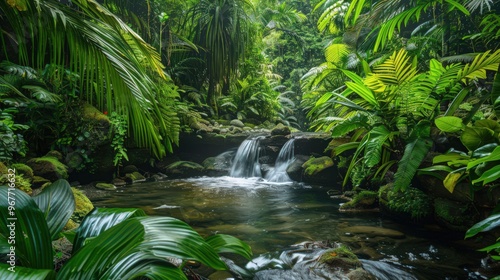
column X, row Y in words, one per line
column 364, row 199
column 21, row 182
column 24, row 170
column 55, row 154
column 82, row 205
column 105, row 186
column 315, row 165
column 340, row 257
column 54, row 166
column 91, row 112
column 412, row 201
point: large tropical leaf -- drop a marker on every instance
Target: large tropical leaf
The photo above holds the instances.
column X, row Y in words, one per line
column 137, row 240
column 487, row 224
column 57, row 203
column 101, row 219
column 495, row 93
column 415, row 151
column 32, row 238
column 24, row 273
column 223, row 243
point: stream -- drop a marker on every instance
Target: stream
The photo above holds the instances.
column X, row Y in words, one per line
column 271, row 217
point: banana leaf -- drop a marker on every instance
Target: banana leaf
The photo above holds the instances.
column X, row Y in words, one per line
column 33, row 243
column 24, row 273
column 58, row 204
column 135, row 241
column 101, row 219
column 223, row 243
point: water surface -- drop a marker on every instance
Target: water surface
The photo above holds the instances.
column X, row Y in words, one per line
column 273, row 216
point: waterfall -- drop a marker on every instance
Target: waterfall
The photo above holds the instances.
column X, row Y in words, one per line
column 285, row 157
column 246, row 160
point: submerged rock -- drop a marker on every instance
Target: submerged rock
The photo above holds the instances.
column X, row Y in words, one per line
column 184, row 169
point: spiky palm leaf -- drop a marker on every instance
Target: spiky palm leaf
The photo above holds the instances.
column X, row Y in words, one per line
column 115, row 64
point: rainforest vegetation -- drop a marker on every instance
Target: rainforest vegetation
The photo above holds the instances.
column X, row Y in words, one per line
column 404, row 88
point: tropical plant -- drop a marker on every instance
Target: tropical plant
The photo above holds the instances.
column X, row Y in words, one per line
column 222, row 30
column 488, row 224
column 109, row 244
column 392, row 106
column 120, row 72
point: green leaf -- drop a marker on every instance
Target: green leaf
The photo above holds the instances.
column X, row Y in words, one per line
column 223, row 243
column 136, row 240
column 350, row 124
column 448, row 157
column 57, row 203
column 475, row 137
column 452, row 180
column 25, row 273
column 101, row 219
column 376, row 140
column 487, row 123
column 487, row 224
column 484, row 151
column 449, row 124
column 495, row 93
column 32, row 236
column 489, row 176
column 494, row 156
column 414, row 154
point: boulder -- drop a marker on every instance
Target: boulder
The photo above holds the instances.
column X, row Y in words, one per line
column 411, row 205
column 237, row 123
column 184, row 169
column 294, row 170
column 83, row 205
column 105, row 186
column 48, row 167
column 280, row 130
column 319, row 171
column 455, row 215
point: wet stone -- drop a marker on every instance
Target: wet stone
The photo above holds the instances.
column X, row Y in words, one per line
column 374, row 231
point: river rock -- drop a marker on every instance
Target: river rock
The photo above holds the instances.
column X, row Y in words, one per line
column 374, row 231
column 237, row 123
column 184, row 169
column 48, row 167
column 280, row 130
column 105, row 186
column 455, row 215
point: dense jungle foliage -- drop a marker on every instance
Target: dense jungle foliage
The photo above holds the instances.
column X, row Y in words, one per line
column 404, row 87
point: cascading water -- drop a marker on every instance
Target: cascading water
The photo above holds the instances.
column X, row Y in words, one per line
column 285, row 157
column 246, row 161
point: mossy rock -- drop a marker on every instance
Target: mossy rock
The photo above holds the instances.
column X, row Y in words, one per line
column 21, row 182
column 134, row 177
column 362, row 200
column 340, row 258
column 105, row 186
column 184, row 169
column 280, row 130
column 411, row 204
column 55, row 154
column 39, row 181
column 455, row 215
column 3, row 168
column 315, row 165
column 48, row 167
column 83, row 205
column 23, row 169
column 92, row 113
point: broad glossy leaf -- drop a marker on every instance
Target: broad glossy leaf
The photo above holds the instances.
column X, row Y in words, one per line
column 32, row 236
column 487, row 224
column 223, row 243
column 58, row 204
column 448, row 157
column 101, row 219
column 489, row 175
column 484, row 151
column 25, row 273
column 494, row 156
column 475, row 137
column 491, row 124
column 144, row 264
column 449, row 124
column 452, row 180
column 495, row 93
column 161, row 237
